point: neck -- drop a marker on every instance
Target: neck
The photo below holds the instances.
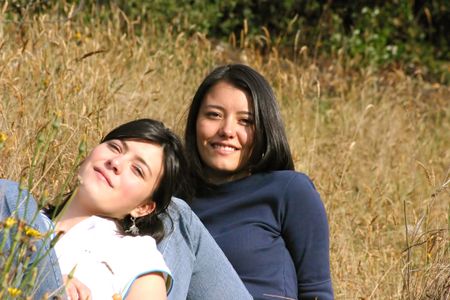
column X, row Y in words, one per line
column 71, row 215
column 218, row 178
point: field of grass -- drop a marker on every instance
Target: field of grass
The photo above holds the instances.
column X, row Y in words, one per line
column 376, row 144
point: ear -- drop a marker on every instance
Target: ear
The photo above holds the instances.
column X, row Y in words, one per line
column 143, row 209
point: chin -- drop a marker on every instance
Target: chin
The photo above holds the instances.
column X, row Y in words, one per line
column 224, row 171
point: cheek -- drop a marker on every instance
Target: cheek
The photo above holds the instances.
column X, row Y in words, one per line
column 82, row 168
column 200, row 130
column 134, row 194
column 132, row 185
column 202, row 133
column 93, row 155
column 136, row 188
column 248, row 137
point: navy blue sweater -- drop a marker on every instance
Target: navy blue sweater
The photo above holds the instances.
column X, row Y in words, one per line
column 274, row 230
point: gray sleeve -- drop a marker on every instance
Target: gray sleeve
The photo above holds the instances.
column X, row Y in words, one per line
column 20, row 204
column 199, row 267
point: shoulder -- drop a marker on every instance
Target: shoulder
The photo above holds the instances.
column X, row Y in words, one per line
column 16, row 198
column 179, row 204
column 143, row 255
column 179, row 221
column 290, row 174
column 297, row 189
column 142, row 258
column 291, row 180
column 179, row 211
column 7, row 185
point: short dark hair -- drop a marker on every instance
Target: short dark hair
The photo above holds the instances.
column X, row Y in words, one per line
column 172, row 181
column 271, row 148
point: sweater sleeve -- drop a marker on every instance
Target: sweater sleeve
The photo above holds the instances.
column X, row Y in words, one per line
column 306, row 234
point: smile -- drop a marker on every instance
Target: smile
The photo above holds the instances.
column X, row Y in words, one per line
column 103, row 176
column 224, row 148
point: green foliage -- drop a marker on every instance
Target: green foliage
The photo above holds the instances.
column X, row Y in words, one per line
column 391, row 34
column 380, row 39
column 370, row 33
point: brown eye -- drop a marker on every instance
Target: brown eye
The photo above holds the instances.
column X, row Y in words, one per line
column 213, row 115
column 246, row 122
column 138, row 171
column 114, row 147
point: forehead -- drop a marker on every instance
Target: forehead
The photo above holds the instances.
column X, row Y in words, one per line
column 149, row 151
column 228, row 95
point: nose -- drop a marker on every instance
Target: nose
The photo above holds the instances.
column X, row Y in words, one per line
column 115, row 164
column 227, row 129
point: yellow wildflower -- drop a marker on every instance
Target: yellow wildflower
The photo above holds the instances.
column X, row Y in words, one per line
column 14, row 292
column 3, row 137
column 58, row 114
column 31, row 232
column 45, row 82
column 76, row 88
column 10, row 222
column 78, row 36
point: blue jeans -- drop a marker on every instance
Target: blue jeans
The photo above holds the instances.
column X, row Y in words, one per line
column 199, row 268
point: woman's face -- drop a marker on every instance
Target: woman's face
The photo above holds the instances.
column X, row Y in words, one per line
column 225, row 132
column 119, row 176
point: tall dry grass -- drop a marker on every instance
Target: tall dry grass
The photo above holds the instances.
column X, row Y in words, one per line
column 375, row 143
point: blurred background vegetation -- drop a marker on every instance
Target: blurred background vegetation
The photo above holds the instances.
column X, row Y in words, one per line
column 363, row 88
column 412, row 34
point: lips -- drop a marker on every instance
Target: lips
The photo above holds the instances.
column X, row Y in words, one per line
column 103, row 174
column 224, row 148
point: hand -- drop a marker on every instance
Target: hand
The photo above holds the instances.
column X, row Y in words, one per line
column 75, row 289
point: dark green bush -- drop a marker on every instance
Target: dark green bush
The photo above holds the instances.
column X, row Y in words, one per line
column 376, row 33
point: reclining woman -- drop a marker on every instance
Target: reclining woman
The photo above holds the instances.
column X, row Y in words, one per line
column 116, row 214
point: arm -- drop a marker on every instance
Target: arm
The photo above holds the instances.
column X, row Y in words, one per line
column 23, row 205
column 149, row 286
column 198, row 265
column 305, row 231
column 211, row 265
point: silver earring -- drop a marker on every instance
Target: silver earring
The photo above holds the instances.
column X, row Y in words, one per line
column 134, row 230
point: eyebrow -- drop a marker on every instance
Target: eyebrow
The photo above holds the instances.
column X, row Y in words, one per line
column 139, row 158
column 243, row 112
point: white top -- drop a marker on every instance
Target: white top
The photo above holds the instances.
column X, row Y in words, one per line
column 106, row 261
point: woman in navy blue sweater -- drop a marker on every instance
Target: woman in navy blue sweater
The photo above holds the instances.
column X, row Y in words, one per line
column 268, row 219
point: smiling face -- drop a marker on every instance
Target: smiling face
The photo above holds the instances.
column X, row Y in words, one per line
column 225, row 132
column 119, row 177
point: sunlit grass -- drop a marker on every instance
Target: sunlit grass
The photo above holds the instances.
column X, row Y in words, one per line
column 375, row 143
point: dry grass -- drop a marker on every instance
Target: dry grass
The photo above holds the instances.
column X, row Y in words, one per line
column 376, row 144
